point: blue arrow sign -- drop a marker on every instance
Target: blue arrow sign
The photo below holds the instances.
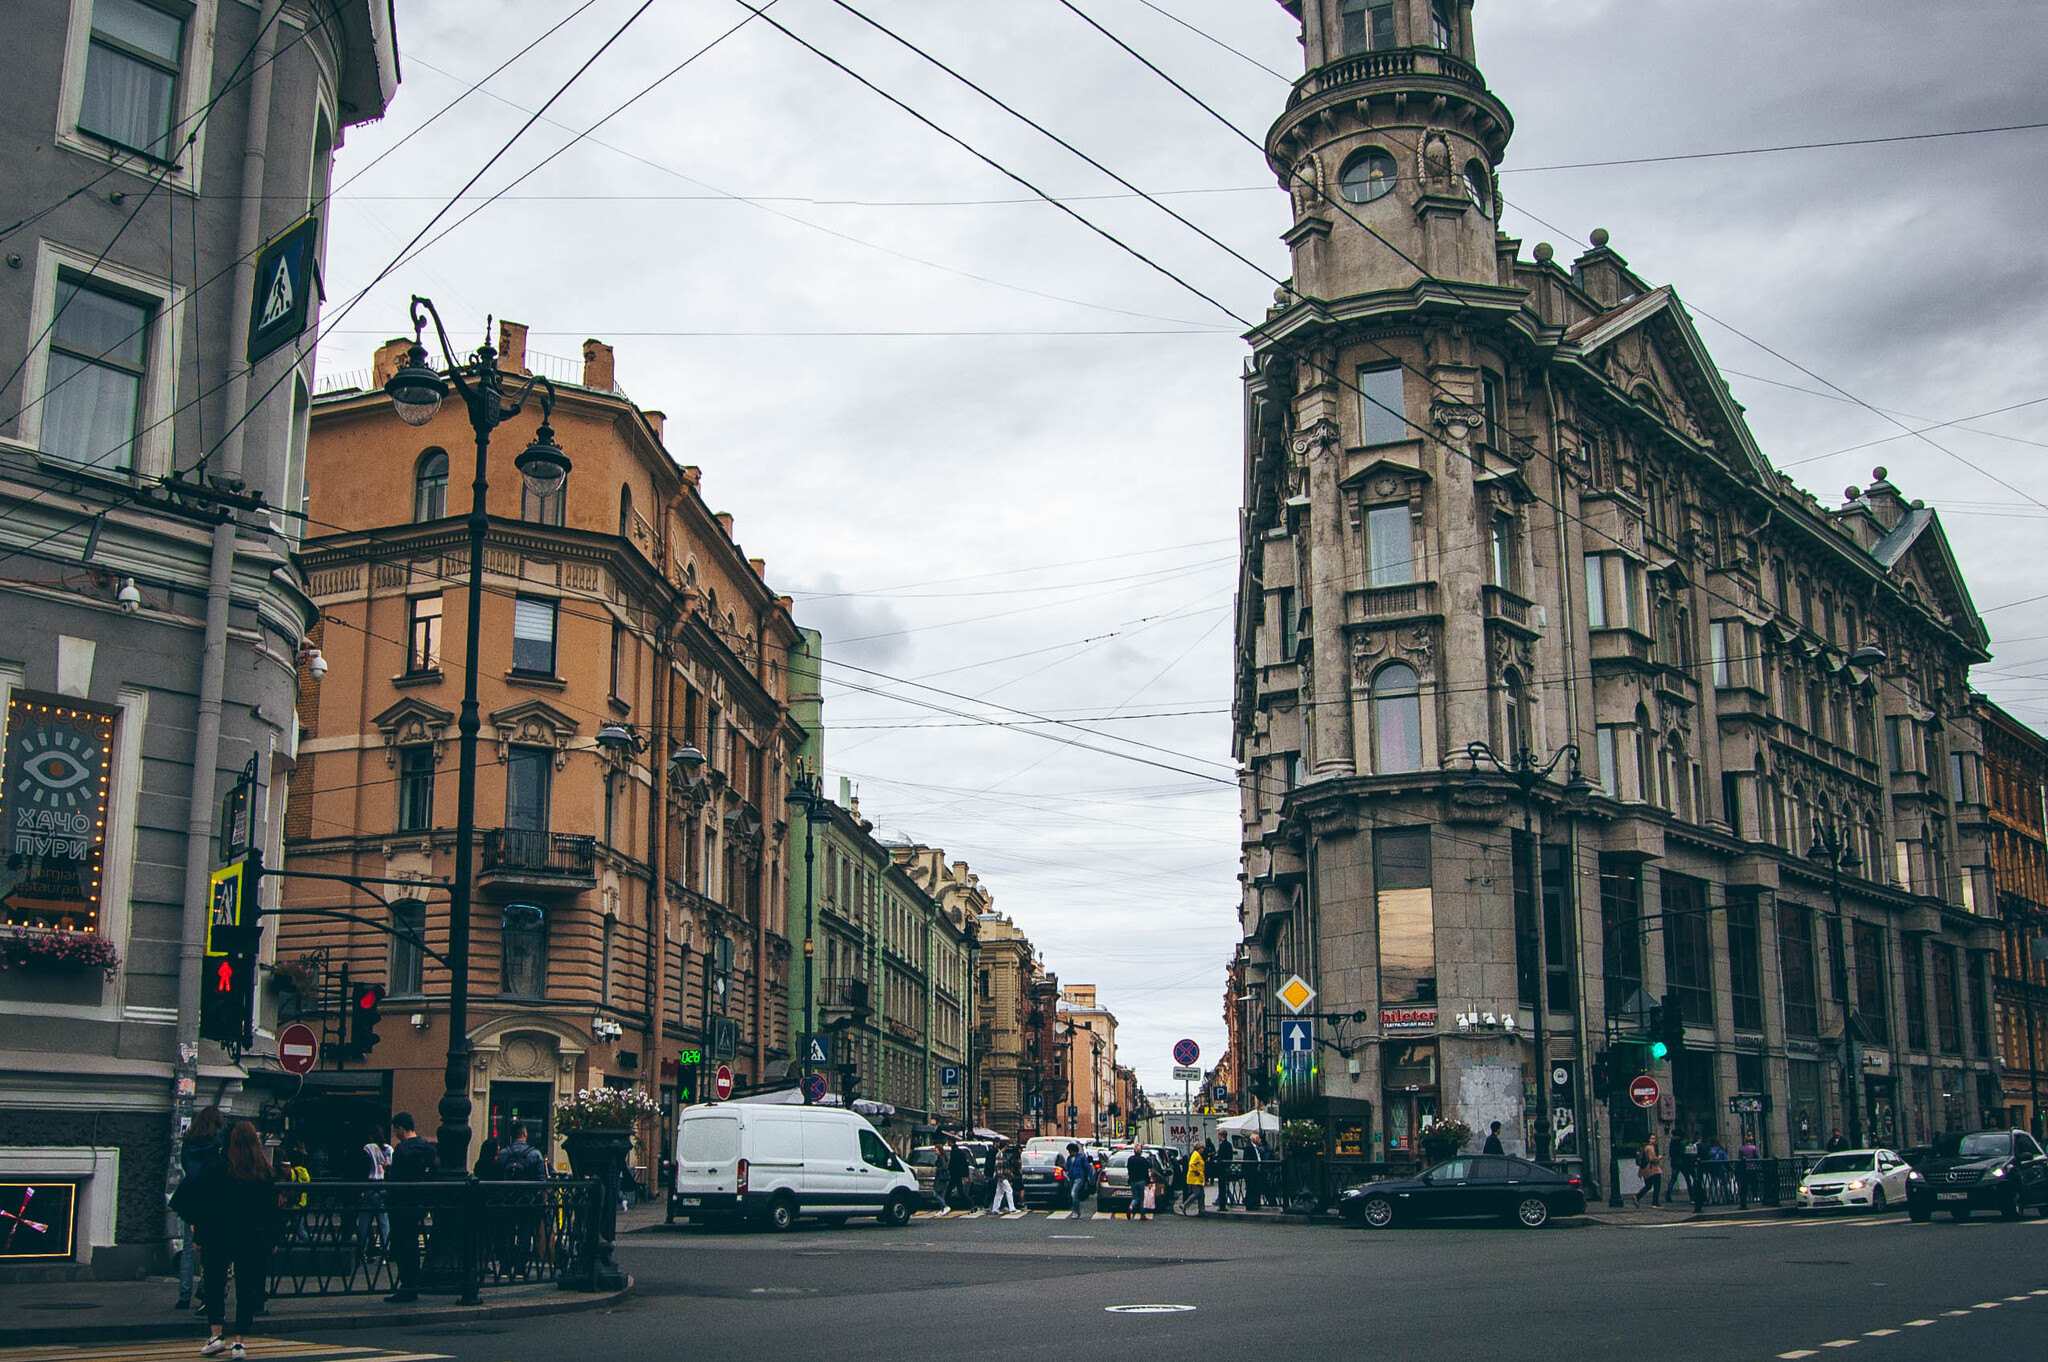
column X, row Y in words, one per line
column 1297, row 1037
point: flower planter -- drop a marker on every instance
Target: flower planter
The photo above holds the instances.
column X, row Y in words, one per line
column 601, row 1153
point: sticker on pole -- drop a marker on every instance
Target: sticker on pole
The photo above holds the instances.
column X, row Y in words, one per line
column 1186, row 1052
column 1644, row 1091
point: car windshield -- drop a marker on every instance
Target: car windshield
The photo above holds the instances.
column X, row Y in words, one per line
column 1844, row 1163
column 925, row 1157
column 1120, row 1158
column 1995, row 1144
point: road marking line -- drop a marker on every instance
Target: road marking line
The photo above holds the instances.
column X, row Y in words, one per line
column 1059, row 1215
column 2042, row 1292
column 1879, row 1333
column 1986, row 1305
column 974, row 1215
column 1953, row 1313
column 2015, row 1298
column 1841, row 1343
column 1918, row 1323
column 1797, row 1352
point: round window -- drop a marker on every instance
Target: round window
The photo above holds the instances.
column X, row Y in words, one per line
column 1368, row 175
column 1476, row 187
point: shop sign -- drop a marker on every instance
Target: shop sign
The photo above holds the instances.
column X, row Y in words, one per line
column 58, row 772
column 38, row 1221
column 1407, row 1019
column 1877, row 1062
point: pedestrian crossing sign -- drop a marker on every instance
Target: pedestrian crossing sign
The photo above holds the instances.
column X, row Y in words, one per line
column 818, row 1050
column 284, row 283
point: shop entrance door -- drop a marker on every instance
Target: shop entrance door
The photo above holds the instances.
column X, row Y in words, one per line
column 1882, row 1125
column 532, row 1103
column 1407, row 1113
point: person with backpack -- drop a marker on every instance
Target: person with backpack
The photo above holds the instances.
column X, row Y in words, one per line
column 960, row 1182
column 204, row 1143
column 376, row 1158
column 519, row 1161
column 1650, row 1163
column 234, row 1206
column 414, row 1160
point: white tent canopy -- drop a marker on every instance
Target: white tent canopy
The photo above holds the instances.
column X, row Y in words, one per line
column 1252, row 1122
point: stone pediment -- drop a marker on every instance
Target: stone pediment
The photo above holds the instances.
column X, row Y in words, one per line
column 411, row 722
column 535, row 723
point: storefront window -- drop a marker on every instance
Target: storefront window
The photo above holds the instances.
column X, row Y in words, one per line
column 1745, row 964
column 1688, row 953
column 1872, row 980
column 1621, row 912
column 1809, row 1116
column 1795, row 964
column 1407, row 916
column 58, row 773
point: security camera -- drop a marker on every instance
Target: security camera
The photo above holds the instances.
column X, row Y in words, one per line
column 129, row 597
column 316, row 664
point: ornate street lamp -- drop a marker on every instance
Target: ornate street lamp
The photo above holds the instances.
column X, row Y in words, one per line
column 1835, row 851
column 806, row 793
column 417, row 392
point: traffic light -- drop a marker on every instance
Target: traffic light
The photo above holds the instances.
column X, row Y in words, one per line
column 1669, row 1029
column 365, row 1010
column 1657, row 1047
column 227, row 987
column 1603, row 1078
column 849, row 1085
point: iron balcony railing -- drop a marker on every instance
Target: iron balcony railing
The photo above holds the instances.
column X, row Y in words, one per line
column 521, row 854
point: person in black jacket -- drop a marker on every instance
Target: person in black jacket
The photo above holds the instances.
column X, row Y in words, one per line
column 203, row 1144
column 236, row 1209
column 961, row 1168
column 413, row 1159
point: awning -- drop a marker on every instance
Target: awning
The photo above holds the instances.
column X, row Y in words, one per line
column 1262, row 1122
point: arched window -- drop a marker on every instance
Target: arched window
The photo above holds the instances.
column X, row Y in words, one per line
column 1396, row 719
column 625, row 511
column 430, row 486
column 1478, row 188
column 1368, row 175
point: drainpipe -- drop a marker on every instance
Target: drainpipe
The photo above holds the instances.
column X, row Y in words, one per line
column 219, row 581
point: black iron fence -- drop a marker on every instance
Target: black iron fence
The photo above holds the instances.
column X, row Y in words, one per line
column 370, row 1238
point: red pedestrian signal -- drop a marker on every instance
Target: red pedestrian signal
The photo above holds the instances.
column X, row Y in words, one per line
column 365, row 1011
column 227, row 988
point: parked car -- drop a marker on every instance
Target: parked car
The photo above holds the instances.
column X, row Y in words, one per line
column 1113, row 1182
column 1985, row 1170
column 1470, row 1187
column 1865, row 1179
column 1045, row 1180
column 772, row 1164
column 924, row 1162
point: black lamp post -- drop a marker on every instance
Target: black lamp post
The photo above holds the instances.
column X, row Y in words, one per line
column 1531, row 775
column 417, row 391
column 806, row 792
column 1831, row 848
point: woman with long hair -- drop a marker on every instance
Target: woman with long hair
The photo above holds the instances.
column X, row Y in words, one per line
column 237, row 1227
column 202, row 1145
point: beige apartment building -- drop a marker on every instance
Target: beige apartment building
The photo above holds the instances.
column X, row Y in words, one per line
column 1087, row 1032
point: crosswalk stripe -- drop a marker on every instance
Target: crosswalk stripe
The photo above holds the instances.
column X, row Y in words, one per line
column 183, row 1349
column 1059, row 1215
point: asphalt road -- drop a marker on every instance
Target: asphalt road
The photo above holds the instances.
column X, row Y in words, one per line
column 992, row 1289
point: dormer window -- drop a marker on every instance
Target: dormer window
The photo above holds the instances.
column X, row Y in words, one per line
column 1477, row 190
column 1368, row 25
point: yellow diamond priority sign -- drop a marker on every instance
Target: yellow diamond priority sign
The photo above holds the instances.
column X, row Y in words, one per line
column 1296, row 993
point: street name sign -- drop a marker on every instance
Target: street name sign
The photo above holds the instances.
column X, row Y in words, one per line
column 297, row 1049
column 1644, row 1090
column 1187, row 1074
column 721, row 1083
column 1296, row 994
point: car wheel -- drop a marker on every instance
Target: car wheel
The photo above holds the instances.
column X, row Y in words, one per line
column 1377, row 1213
column 782, row 1214
column 896, row 1214
column 1533, row 1213
column 2012, row 1209
column 1877, row 1201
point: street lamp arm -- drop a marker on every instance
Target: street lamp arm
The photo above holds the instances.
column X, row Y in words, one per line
column 423, row 310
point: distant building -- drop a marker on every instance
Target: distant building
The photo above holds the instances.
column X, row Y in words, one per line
column 1002, row 1003
column 2016, row 789
column 1088, row 1035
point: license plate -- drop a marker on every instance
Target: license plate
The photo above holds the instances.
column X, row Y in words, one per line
column 693, row 1201
column 1953, row 1196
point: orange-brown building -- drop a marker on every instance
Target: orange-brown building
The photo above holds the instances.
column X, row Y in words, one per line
column 2016, row 790
column 628, row 923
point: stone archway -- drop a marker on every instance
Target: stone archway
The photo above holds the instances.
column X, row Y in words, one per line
column 521, row 1068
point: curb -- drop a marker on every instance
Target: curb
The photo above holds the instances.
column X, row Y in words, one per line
column 386, row 1318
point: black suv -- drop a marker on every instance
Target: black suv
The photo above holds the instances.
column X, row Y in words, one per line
column 1986, row 1170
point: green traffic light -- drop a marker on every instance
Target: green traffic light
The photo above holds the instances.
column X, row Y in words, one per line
column 1658, row 1049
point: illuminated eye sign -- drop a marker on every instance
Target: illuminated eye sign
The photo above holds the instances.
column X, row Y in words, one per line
column 57, row 776
column 38, row 1220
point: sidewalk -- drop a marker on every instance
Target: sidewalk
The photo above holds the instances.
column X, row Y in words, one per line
column 98, row 1312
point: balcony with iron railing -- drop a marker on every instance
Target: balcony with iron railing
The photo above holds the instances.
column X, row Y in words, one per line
column 1396, row 64
column 523, row 859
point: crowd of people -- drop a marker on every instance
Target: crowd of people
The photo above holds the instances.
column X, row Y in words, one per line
column 1712, row 1176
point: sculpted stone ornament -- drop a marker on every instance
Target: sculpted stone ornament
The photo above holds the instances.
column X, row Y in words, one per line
column 1457, row 420
column 1313, row 439
column 1434, row 164
column 1306, row 185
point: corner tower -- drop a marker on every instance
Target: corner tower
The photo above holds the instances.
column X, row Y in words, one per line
column 1388, row 147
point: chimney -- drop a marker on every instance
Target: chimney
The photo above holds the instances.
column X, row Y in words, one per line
column 597, row 366
column 692, row 475
column 512, row 346
column 845, row 790
column 655, row 421
column 724, row 519
column 390, row 358
column 760, row 567
column 960, row 870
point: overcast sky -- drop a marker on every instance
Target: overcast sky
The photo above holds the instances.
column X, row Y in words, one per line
column 993, row 455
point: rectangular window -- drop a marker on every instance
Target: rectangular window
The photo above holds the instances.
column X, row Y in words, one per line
column 1407, row 915
column 416, row 788
column 1745, row 961
column 1621, row 931
column 533, row 635
column 1632, row 591
column 1796, row 970
column 1389, row 545
column 408, row 948
column 543, row 508
column 131, row 76
column 1804, row 1078
column 1948, row 1002
column 1838, row 965
column 1958, row 789
column 529, row 780
column 1604, row 746
column 1560, row 952
column 1596, row 592
column 1913, row 963
column 1290, row 624
column 1895, row 742
column 93, row 389
column 423, row 635
column 1717, row 642
column 1731, row 801
column 524, row 952
column 1504, row 552
column 1525, row 922
column 1980, row 1040
column 1368, row 25
column 1382, row 406
column 618, row 664
column 1493, row 396
column 1442, row 29
column 1688, row 948
column 1873, row 980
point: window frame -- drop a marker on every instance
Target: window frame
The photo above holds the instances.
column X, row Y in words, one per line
column 1373, row 406
column 422, row 482
column 1381, row 704
column 405, row 966
column 189, row 101
column 1385, row 186
column 167, row 140
column 538, row 928
column 1368, row 31
column 150, row 452
column 1388, row 514
column 424, row 661
column 554, row 636
column 415, row 811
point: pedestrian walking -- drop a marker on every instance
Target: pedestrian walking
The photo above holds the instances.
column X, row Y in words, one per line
column 1254, row 1172
column 1650, row 1163
column 296, row 1167
column 942, row 1170
column 413, row 1160
column 204, row 1143
column 1493, row 1144
column 963, row 1171
column 1138, row 1175
column 1837, row 1142
column 1221, row 1172
column 1197, row 1183
column 376, row 1158
column 235, row 1205
column 1682, row 1164
column 1080, row 1172
column 1006, row 1175
column 1751, row 1159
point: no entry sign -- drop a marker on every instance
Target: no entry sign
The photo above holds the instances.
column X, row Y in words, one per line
column 297, row 1049
column 1644, row 1091
column 721, row 1082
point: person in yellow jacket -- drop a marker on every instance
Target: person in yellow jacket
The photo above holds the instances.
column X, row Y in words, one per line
column 1197, row 1183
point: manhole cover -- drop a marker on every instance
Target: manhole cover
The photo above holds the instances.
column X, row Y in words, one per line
column 61, row 1305
column 1148, row 1309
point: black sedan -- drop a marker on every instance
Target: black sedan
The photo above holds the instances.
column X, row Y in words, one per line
column 1470, row 1187
column 1985, row 1170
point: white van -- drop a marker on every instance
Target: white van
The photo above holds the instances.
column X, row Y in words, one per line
column 769, row 1163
